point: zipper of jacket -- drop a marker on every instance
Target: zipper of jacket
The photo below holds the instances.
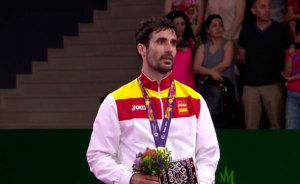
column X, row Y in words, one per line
column 161, row 102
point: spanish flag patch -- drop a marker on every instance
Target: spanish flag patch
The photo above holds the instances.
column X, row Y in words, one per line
column 182, row 106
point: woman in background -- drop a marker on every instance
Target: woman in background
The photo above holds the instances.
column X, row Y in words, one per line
column 293, row 17
column 183, row 63
column 213, row 62
column 232, row 12
column 292, row 74
column 192, row 8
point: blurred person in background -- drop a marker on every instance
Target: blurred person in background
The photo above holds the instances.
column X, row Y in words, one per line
column 278, row 10
column 232, row 13
column 213, row 61
column 262, row 45
column 192, row 8
column 183, row 64
column 293, row 16
column 292, row 74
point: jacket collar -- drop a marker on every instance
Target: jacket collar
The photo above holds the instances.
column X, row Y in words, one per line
column 165, row 83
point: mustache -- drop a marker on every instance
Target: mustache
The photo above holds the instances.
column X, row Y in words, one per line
column 167, row 55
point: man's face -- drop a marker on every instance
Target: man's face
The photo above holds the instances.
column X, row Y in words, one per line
column 262, row 10
column 160, row 53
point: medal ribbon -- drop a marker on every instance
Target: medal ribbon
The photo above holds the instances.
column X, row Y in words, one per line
column 160, row 137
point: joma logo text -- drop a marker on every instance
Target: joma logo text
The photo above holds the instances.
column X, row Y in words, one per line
column 138, row 107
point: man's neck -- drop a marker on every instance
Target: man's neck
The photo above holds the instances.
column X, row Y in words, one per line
column 263, row 24
column 155, row 76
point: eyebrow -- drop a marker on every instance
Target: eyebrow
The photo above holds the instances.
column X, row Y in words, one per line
column 163, row 38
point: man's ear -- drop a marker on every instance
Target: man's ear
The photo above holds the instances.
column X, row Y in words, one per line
column 141, row 48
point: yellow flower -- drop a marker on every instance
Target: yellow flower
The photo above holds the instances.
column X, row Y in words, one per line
column 162, row 149
column 165, row 153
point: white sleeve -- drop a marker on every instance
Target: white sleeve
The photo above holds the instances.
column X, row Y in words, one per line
column 207, row 148
column 104, row 143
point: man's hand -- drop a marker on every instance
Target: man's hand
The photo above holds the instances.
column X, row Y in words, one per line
column 144, row 179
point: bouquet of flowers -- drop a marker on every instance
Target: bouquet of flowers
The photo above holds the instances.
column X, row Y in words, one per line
column 152, row 162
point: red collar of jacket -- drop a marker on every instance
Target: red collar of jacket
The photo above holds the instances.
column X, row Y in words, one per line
column 165, row 83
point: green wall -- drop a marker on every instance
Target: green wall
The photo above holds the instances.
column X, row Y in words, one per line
column 44, row 157
column 58, row 157
column 259, row 157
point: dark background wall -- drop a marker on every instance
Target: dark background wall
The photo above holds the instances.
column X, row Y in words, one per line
column 28, row 28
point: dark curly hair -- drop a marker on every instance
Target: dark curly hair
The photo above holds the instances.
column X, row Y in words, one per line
column 188, row 33
column 148, row 26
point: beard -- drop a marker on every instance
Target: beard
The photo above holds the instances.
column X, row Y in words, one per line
column 163, row 64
